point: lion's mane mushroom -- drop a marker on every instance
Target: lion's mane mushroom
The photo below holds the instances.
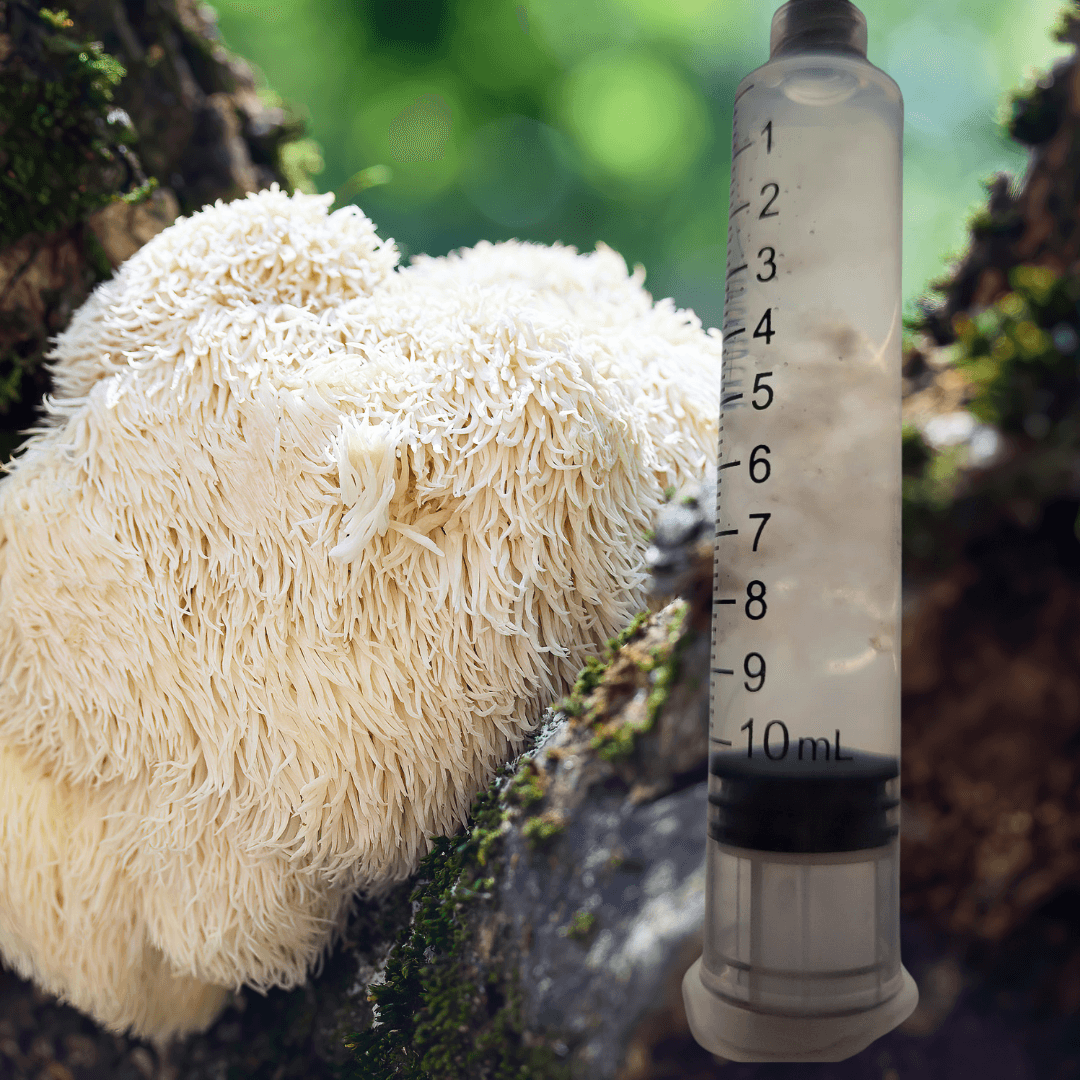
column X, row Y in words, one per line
column 302, row 548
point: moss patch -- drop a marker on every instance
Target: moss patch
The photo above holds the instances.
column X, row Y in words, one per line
column 592, row 674
column 1035, row 113
column 435, row 1020
column 1020, row 359
column 540, row 831
column 529, row 786
column 1021, row 356
column 582, row 927
column 604, row 686
column 928, row 486
column 63, row 151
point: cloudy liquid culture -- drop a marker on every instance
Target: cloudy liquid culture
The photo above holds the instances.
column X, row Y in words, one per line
column 807, row 582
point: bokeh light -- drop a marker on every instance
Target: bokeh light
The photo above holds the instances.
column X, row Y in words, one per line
column 497, row 48
column 636, row 119
column 413, row 127
column 421, row 130
column 517, row 171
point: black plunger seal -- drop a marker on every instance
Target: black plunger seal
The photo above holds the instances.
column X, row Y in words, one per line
column 802, row 806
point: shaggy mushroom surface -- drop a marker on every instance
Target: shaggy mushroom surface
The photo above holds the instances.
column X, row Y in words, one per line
column 302, row 548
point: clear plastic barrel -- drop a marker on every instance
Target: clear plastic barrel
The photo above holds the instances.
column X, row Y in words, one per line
column 801, row 956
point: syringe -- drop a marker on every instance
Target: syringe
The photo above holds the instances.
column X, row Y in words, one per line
column 801, row 957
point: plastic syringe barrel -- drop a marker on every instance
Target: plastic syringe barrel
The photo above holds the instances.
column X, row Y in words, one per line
column 801, row 957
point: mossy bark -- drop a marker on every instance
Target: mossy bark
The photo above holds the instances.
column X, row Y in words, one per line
column 991, row 752
column 458, row 996
column 1002, row 340
column 116, row 116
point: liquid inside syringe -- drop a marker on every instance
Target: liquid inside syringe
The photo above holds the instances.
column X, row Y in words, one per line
column 806, row 594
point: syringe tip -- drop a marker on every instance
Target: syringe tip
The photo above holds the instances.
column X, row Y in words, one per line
column 818, row 26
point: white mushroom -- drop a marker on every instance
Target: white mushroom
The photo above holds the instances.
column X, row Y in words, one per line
column 301, row 551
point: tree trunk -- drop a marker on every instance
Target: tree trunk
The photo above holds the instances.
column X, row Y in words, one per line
column 94, row 163
column 991, row 684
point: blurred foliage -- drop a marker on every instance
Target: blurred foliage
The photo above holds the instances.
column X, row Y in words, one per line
column 449, row 121
column 930, row 479
column 1020, row 361
column 916, row 452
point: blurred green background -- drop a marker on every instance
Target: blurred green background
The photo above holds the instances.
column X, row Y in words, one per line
column 451, row 121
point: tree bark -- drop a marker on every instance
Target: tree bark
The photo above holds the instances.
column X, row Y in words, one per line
column 991, row 688
column 183, row 127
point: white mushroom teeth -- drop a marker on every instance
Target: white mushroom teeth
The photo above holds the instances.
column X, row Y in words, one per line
column 303, row 547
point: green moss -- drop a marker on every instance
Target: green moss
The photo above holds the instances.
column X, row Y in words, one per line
column 1036, row 113
column 540, row 831
column 372, row 176
column 1020, row 357
column 63, row 152
column 1021, row 360
column 526, row 789
column 582, row 926
column 10, row 386
column 650, row 662
column 592, row 674
column 927, row 496
column 486, row 839
column 984, row 224
column 623, row 636
column 915, row 453
column 295, row 157
column 614, row 742
column 616, row 739
column 96, row 257
column 665, row 678
column 433, row 1020
column 140, row 193
column 300, row 160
